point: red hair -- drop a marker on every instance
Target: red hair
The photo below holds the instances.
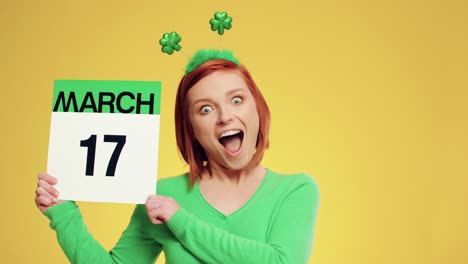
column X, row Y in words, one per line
column 190, row 149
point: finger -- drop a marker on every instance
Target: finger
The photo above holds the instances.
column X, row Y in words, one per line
column 46, row 186
column 155, row 216
column 157, row 197
column 42, row 200
column 56, row 201
column 49, row 188
column 152, row 205
column 156, row 221
column 41, row 191
column 151, row 197
column 152, row 202
column 48, row 178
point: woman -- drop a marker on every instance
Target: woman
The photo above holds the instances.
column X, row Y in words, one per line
column 228, row 208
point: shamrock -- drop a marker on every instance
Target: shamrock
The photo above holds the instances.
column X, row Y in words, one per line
column 170, row 42
column 220, row 22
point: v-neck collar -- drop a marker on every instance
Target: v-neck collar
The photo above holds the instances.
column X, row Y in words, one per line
column 245, row 205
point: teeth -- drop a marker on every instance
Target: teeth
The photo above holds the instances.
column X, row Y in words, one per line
column 229, row 133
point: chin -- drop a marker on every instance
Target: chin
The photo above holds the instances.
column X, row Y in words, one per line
column 237, row 165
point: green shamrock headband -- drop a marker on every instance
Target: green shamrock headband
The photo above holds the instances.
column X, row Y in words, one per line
column 202, row 56
column 221, row 22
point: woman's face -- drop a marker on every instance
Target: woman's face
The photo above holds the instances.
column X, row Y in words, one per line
column 224, row 118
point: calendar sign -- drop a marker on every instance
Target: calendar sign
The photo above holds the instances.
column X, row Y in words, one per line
column 104, row 138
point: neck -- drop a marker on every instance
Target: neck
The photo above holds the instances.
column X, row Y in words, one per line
column 232, row 176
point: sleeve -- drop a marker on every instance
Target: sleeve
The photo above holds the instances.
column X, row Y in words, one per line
column 79, row 245
column 290, row 239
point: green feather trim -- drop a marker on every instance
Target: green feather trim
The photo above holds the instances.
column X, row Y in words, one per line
column 203, row 56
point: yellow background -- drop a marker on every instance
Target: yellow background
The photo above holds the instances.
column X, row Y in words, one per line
column 368, row 97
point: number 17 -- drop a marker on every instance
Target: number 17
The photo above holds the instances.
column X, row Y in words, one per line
column 90, row 143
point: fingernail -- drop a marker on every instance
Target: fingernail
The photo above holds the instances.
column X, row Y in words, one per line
column 56, row 193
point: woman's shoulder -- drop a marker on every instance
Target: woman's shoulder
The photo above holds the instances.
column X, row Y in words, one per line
column 292, row 178
column 292, row 181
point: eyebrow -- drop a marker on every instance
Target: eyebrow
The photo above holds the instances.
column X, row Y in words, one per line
column 207, row 99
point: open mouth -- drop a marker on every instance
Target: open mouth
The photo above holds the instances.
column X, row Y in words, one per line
column 232, row 140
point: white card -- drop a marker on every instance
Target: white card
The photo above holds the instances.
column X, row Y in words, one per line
column 104, row 139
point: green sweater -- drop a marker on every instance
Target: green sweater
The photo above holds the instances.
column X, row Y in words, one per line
column 276, row 225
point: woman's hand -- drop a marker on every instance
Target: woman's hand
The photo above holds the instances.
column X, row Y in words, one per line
column 46, row 194
column 160, row 208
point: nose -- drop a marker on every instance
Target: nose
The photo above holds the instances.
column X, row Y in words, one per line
column 225, row 116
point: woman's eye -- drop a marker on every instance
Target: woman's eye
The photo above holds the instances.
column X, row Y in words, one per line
column 205, row 109
column 237, row 100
